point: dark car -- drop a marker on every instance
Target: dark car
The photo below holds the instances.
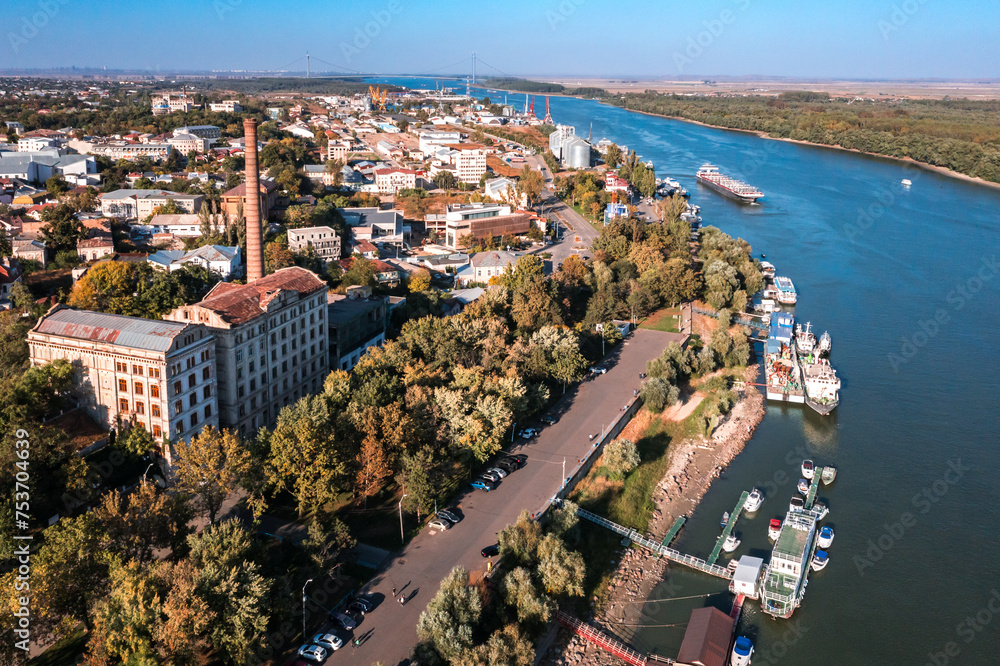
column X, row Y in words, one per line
column 548, row 419
column 366, row 603
column 517, row 459
column 507, row 465
column 491, row 551
column 449, row 516
column 344, row 620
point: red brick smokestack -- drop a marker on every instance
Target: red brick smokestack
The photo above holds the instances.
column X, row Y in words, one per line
column 255, row 244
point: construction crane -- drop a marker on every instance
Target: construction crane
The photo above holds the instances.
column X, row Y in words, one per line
column 378, row 97
column 531, row 110
column 548, row 114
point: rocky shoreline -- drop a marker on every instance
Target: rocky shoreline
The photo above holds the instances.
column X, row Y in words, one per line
column 694, row 464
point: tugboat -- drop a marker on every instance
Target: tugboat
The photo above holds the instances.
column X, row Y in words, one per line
column 822, row 386
column 754, row 500
column 808, row 469
column 731, row 543
column 825, row 343
column 820, row 560
column 825, row 539
column 774, row 529
column 741, row 652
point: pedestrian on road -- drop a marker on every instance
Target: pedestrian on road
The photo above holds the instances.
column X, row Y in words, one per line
column 402, row 600
column 393, row 590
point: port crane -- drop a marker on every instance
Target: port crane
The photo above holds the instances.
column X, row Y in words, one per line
column 378, row 97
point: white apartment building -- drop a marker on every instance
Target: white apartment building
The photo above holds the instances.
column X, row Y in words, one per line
column 159, row 374
column 271, row 343
column 470, row 161
column 338, row 150
column 430, row 141
column 137, row 204
column 390, row 181
column 226, row 106
column 324, row 240
column 35, row 143
column 121, row 150
column 185, row 143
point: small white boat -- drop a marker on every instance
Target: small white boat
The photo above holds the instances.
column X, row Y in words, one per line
column 828, row 475
column 767, row 269
column 820, row 560
column 825, row 343
column 820, row 511
column 906, row 182
column 725, row 519
column 742, row 650
column 796, row 504
column 803, row 486
column 733, row 565
column 825, row 539
column 754, row 500
column 731, row 543
column 774, row 529
column 808, row 469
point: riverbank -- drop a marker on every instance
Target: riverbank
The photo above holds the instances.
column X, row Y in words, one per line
column 944, row 171
column 695, row 463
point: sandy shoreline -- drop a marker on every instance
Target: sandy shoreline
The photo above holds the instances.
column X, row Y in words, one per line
column 694, row 465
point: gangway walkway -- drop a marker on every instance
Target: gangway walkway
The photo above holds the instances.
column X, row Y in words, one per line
column 728, row 529
column 678, row 524
column 603, row 640
column 813, row 489
column 740, row 318
column 669, row 553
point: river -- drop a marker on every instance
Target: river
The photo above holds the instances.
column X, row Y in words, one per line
column 905, row 281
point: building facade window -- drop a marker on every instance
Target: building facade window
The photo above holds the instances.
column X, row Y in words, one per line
column 191, row 381
column 178, row 387
column 155, row 410
column 123, row 404
column 140, row 408
column 138, row 388
column 205, row 374
column 157, row 432
column 154, row 391
column 122, row 385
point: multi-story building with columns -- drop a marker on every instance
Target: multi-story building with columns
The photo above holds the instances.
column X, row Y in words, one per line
column 271, row 343
column 158, row 374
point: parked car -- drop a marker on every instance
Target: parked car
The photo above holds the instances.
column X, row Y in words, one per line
column 314, row 653
column 483, row 484
column 491, row 551
column 548, row 419
column 358, row 606
column 344, row 620
column 528, row 433
column 507, row 465
column 329, row 641
column 449, row 516
column 365, row 602
column 492, row 476
column 518, row 458
column 498, row 470
column 598, row 370
column 439, row 524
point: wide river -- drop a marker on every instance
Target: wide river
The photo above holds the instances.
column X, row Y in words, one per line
column 906, row 282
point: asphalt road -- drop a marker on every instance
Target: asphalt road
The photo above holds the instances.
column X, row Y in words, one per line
column 576, row 233
column 418, row 569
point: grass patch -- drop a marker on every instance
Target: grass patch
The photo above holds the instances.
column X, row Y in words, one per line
column 69, row 650
column 662, row 320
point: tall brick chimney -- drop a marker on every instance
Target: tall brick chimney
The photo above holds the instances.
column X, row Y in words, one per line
column 255, row 243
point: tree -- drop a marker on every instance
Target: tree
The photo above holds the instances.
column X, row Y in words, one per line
column 530, row 184
column 128, row 621
column 506, row 647
column 521, row 539
column 562, row 570
column 445, row 180
column 658, row 394
column 536, row 304
column 451, row 617
column 210, row 468
column 134, row 439
column 613, row 156
column 520, row 592
column 277, row 256
column 621, row 456
column 56, row 185
column 418, row 474
column 328, row 538
column 420, row 281
column 137, row 524
column 62, row 230
column 373, row 467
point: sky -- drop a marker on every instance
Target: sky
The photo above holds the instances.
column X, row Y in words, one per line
column 856, row 39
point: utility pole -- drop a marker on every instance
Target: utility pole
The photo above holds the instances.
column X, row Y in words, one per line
column 307, row 64
column 563, row 484
column 473, row 68
column 401, row 536
column 304, row 608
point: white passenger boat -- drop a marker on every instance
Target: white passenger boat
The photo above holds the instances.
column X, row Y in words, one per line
column 731, row 543
column 825, row 539
column 754, row 500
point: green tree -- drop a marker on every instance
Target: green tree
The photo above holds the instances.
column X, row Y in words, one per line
column 328, row 538
column 445, row 180
column 659, row 393
column 128, row 621
column 520, row 540
column 621, row 456
column 419, row 281
column 521, row 593
column 613, row 156
column 417, row 476
column 210, row 467
column 562, row 570
column 56, row 185
column 450, row 619
column 62, row 230
column 135, row 525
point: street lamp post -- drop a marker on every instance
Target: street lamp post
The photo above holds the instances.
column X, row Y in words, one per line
column 146, row 472
column 304, row 608
column 402, row 538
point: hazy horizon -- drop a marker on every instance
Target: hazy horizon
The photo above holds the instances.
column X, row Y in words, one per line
column 854, row 40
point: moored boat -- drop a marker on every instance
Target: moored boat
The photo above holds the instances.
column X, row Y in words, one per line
column 754, row 500
column 774, row 529
column 731, row 543
column 825, row 539
column 725, row 519
column 825, row 343
column 820, row 560
column 803, row 486
column 805, row 340
column 767, row 269
column 808, row 469
column 796, row 504
column 742, row 650
column 822, row 386
column 828, row 475
column 820, row 511
column 786, row 290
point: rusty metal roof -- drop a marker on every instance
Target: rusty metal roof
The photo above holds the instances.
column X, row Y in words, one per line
column 131, row 332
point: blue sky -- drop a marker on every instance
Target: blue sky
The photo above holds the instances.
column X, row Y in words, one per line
column 846, row 38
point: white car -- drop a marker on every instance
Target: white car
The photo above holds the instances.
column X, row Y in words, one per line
column 498, row 471
column 598, row 370
column 439, row 524
column 313, row 653
column 329, row 641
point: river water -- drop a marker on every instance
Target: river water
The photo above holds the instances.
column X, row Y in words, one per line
column 907, row 284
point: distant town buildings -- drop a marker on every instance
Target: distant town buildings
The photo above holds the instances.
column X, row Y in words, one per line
column 226, row 106
column 137, row 204
column 478, row 221
column 391, row 181
column 325, row 241
column 224, row 261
